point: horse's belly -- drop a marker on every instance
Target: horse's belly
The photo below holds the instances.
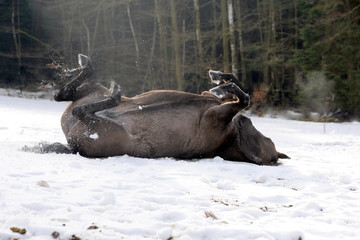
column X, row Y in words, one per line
column 98, row 140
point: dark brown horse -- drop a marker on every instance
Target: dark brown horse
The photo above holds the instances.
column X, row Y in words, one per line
column 99, row 122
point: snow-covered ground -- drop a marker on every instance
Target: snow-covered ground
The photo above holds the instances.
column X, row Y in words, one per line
column 314, row 195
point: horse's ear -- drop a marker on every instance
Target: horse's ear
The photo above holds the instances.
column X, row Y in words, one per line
column 282, row 155
column 239, row 121
column 83, row 60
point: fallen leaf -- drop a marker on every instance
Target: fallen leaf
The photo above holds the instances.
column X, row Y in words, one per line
column 21, row 231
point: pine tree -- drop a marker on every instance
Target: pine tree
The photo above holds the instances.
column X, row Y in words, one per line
column 330, row 43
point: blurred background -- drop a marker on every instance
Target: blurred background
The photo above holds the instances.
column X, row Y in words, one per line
column 302, row 54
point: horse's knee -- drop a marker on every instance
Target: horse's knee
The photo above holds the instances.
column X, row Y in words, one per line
column 79, row 113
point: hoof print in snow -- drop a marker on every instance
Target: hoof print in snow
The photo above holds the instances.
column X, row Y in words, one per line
column 210, row 214
column 55, row 235
column 288, row 206
column 264, row 209
column 21, row 231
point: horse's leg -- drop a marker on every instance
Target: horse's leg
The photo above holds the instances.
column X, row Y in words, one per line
column 231, row 88
column 223, row 114
column 86, row 113
column 96, row 135
column 69, row 91
column 218, row 78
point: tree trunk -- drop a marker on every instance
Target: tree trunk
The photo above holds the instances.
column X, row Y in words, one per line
column 133, row 33
column 260, row 21
column 17, row 39
column 147, row 76
column 176, row 46
column 271, row 54
column 183, row 57
column 214, row 36
column 296, row 26
column 263, row 36
column 225, row 36
column 67, row 25
column 164, row 67
column 200, row 58
column 234, row 61
column 87, row 37
column 281, row 85
column 241, row 47
column 96, row 28
column 266, row 47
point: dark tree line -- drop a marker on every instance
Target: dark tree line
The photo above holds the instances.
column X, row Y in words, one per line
column 278, row 48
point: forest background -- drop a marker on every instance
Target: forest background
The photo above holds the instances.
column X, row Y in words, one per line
column 301, row 54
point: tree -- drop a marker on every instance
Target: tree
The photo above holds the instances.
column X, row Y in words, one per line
column 234, row 61
column 225, row 36
column 330, row 43
column 161, row 44
column 15, row 21
column 176, row 46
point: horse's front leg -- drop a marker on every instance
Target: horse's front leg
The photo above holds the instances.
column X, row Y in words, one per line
column 98, row 134
column 86, row 113
column 69, row 91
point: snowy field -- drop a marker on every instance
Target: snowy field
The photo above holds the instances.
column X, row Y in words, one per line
column 313, row 196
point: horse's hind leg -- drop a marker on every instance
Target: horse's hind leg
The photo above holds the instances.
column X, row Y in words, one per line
column 87, row 112
column 219, row 78
column 231, row 88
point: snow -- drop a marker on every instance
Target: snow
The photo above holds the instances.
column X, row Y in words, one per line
column 94, row 136
column 314, row 195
